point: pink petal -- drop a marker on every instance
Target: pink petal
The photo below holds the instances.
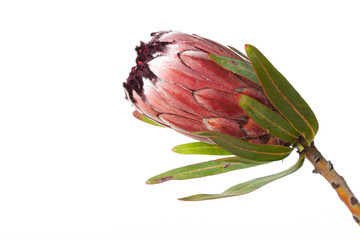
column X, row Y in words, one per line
column 177, row 47
column 183, row 124
column 173, row 70
column 199, row 43
column 145, row 109
column 139, row 116
column 222, row 50
column 224, row 125
column 252, row 129
column 160, row 104
column 181, row 98
column 224, row 79
column 219, row 102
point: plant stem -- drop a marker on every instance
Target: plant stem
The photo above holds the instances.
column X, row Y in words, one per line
column 326, row 169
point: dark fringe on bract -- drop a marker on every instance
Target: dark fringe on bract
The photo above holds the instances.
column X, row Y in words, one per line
column 145, row 53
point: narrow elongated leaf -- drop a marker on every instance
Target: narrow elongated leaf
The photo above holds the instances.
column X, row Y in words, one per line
column 268, row 119
column 236, row 66
column 145, row 119
column 200, row 148
column 247, row 150
column 203, row 169
column 283, row 95
column 249, row 186
column 241, row 160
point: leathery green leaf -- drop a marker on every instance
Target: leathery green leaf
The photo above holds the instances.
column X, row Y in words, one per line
column 236, row 66
column 200, row 148
column 247, row 150
column 283, row 95
column 268, row 119
column 241, row 160
column 249, row 186
column 204, row 169
column 141, row 117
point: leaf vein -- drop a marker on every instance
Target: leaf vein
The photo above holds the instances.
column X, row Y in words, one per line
column 284, row 130
column 263, row 152
column 282, row 94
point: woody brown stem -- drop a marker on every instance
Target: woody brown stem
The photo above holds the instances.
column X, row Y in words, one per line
column 326, row 169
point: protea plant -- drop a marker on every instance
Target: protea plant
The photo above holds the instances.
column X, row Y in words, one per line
column 234, row 104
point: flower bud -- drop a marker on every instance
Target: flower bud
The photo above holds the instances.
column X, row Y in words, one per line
column 176, row 84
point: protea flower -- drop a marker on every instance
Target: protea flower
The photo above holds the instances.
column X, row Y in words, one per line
column 177, row 85
column 236, row 105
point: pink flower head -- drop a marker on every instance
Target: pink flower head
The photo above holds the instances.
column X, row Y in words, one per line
column 176, row 84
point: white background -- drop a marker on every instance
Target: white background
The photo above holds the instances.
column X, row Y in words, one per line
column 73, row 160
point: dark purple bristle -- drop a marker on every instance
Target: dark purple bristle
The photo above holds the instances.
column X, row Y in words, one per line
column 145, row 53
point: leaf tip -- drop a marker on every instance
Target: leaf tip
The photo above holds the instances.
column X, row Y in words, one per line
column 213, row 57
column 186, row 199
column 159, row 180
column 239, row 96
column 203, row 133
column 247, row 46
column 137, row 115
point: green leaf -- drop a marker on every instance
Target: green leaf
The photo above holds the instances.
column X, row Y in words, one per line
column 268, row 119
column 200, row 148
column 203, row 169
column 247, row 150
column 241, row 160
column 249, row 186
column 283, row 95
column 236, row 66
column 142, row 118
